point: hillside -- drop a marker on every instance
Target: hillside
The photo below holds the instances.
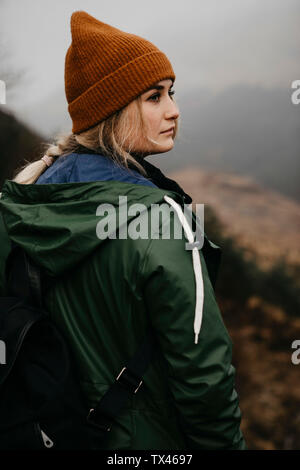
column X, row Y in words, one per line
column 265, row 223
column 259, row 300
column 17, row 144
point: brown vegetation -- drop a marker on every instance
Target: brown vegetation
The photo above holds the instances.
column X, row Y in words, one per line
column 260, row 307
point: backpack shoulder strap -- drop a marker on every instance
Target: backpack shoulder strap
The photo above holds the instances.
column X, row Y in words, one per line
column 23, row 276
column 19, row 309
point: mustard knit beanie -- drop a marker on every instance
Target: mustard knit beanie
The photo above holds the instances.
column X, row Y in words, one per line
column 106, row 68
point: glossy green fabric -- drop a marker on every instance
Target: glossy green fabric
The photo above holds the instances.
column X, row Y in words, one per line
column 108, row 292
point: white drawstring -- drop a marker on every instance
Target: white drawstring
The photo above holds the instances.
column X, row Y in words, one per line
column 196, row 265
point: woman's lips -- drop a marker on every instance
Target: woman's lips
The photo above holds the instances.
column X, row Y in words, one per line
column 169, row 131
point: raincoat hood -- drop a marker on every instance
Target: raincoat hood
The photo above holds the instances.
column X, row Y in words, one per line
column 56, row 224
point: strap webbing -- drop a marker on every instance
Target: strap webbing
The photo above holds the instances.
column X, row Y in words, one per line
column 125, row 385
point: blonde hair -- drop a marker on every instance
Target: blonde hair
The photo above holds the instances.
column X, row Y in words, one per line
column 107, row 138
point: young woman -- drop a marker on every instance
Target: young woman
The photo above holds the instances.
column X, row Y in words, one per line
column 82, row 213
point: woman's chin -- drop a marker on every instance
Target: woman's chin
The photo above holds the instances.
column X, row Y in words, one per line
column 155, row 149
column 167, row 146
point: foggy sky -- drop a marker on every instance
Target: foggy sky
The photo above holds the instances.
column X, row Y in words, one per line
column 212, row 44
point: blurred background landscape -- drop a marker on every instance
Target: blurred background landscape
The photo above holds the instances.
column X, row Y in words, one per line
column 237, row 152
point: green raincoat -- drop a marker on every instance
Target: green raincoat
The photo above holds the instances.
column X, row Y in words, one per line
column 108, row 290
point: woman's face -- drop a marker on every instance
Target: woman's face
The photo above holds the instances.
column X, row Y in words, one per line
column 159, row 112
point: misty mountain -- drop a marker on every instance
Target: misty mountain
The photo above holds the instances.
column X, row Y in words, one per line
column 246, row 130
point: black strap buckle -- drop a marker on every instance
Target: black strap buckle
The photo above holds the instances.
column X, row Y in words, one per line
column 128, row 380
column 101, row 425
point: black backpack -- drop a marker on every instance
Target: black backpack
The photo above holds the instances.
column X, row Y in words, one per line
column 41, row 404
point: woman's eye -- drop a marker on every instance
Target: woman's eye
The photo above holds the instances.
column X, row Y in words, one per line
column 157, row 95
column 153, row 97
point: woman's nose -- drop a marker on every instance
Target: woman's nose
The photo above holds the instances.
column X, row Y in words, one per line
column 172, row 110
